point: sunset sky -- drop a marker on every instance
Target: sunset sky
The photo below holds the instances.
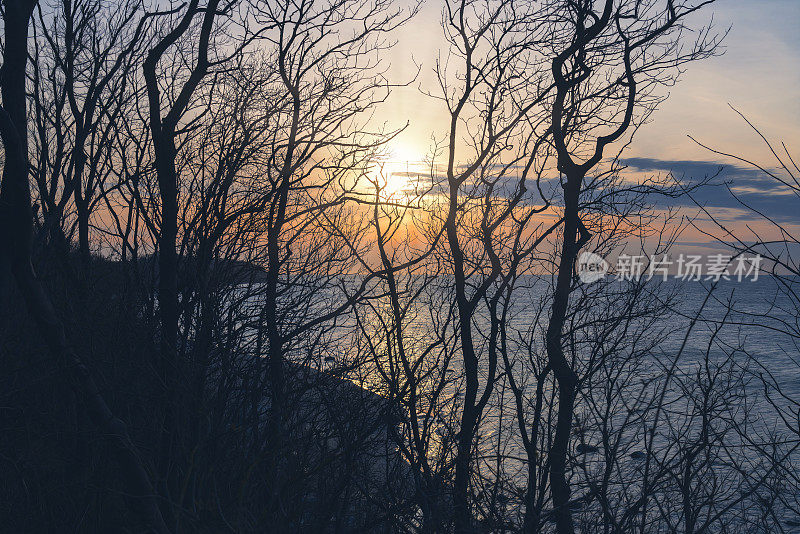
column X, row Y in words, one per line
column 759, row 74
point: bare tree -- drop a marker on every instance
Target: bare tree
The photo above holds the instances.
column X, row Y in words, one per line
column 325, row 352
column 606, row 78
column 84, row 55
column 775, row 242
column 168, row 108
column 18, row 220
column 491, row 99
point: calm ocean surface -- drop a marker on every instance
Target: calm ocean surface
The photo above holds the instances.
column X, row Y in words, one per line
column 759, row 318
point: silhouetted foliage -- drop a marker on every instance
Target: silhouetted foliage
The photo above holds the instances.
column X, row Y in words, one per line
column 219, row 315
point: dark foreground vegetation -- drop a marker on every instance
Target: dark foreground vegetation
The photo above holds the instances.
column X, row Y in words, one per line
column 218, row 315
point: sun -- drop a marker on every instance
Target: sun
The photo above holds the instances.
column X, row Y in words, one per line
column 395, row 172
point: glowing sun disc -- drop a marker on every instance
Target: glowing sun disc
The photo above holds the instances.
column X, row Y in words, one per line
column 395, row 171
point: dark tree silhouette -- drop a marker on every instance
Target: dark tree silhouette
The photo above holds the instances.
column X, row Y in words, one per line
column 17, row 219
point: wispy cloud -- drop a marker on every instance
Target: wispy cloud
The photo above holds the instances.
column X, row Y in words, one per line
column 751, row 187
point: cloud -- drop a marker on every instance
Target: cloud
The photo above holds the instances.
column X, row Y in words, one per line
column 505, row 186
column 752, row 188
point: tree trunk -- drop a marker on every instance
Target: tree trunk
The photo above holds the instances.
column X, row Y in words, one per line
column 565, row 376
column 82, row 208
column 81, row 205
column 168, row 312
column 15, row 245
column 461, row 509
